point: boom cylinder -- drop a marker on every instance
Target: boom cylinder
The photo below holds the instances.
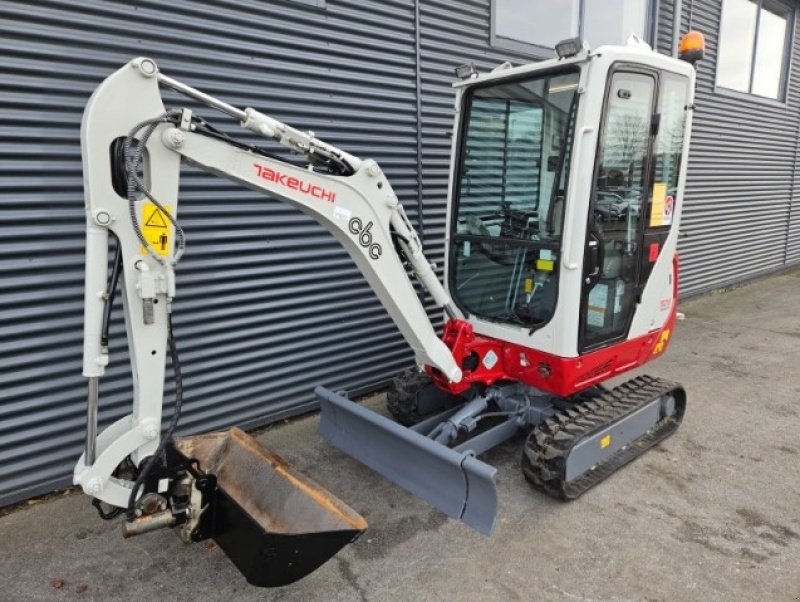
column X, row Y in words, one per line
column 206, row 99
column 91, row 421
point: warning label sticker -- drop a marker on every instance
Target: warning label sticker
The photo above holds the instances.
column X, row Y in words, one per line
column 156, row 228
column 663, row 206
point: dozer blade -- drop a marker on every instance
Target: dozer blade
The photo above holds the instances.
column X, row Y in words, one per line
column 275, row 524
column 456, row 483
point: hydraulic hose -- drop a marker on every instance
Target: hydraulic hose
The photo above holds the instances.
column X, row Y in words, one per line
column 111, row 291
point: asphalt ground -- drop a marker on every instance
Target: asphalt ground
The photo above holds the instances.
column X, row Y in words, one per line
column 713, row 513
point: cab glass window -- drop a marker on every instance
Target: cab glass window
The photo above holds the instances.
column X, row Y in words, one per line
column 668, row 149
column 516, row 145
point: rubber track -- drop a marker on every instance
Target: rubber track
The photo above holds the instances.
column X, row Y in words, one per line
column 544, row 456
column 401, row 399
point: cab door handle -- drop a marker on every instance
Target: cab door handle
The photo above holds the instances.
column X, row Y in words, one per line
column 594, row 260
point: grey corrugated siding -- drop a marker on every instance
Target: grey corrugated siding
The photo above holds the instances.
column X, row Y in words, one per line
column 664, row 26
column 739, row 194
column 268, row 305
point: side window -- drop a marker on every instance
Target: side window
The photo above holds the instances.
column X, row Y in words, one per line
column 611, row 264
column 623, row 151
column 667, row 151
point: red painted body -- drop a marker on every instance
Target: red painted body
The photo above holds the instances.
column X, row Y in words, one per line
column 557, row 375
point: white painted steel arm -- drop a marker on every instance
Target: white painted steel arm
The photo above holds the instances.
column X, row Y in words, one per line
column 360, row 210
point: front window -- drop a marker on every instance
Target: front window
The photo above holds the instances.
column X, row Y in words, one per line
column 753, row 47
column 511, row 189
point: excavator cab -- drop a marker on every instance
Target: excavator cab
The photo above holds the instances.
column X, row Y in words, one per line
column 564, row 198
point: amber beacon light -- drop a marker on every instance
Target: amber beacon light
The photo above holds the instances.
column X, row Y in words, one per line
column 692, row 47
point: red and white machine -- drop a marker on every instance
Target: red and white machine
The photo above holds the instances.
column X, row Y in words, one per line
column 565, row 197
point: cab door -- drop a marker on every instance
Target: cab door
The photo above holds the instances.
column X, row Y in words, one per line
column 615, row 238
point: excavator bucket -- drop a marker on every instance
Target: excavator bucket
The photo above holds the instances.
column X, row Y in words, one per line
column 455, row 482
column 275, row 524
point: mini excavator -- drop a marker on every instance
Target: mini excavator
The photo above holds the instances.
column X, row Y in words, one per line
column 565, row 197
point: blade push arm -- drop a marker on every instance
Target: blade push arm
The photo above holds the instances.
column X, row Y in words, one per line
column 359, row 209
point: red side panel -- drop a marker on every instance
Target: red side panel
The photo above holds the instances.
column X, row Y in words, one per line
column 486, row 360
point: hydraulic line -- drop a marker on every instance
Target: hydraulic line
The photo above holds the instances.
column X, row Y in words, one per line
column 116, row 268
column 133, row 160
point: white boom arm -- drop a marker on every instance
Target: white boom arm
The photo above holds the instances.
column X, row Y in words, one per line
column 360, row 210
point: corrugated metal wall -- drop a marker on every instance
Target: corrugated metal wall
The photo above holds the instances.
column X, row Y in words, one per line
column 664, row 42
column 742, row 166
column 268, row 305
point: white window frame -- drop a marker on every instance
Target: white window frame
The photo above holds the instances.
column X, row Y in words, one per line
column 544, row 52
column 791, row 24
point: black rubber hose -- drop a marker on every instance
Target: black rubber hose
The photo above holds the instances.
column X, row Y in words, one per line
column 111, row 292
column 176, row 414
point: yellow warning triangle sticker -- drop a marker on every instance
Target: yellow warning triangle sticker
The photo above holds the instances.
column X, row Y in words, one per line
column 156, row 219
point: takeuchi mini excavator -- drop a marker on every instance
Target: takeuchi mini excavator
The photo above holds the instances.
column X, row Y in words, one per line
column 565, row 197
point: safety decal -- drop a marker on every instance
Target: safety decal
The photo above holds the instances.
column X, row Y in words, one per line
column 546, row 261
column 341, row 213
column 663, row 206
column 662, row 342
column 156, row 228
column 490, row 360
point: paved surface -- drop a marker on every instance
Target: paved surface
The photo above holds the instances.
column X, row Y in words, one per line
column 711, row 514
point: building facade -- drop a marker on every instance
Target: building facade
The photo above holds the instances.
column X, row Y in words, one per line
column 268, row 304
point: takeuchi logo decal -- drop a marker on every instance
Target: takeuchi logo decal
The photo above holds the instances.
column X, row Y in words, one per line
column 293, row 183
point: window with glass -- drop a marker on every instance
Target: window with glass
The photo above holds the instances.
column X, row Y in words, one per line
column 753, row 47
column 668, row 151
column 619, row 192
column 516, row 145
column 634, row 197
column 544, row 23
